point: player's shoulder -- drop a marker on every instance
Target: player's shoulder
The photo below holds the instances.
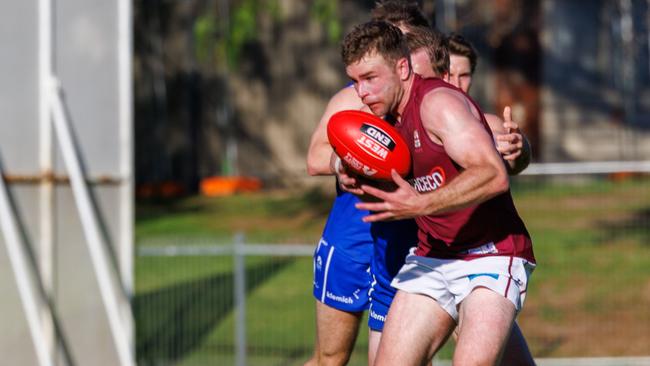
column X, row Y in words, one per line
column 444, row 99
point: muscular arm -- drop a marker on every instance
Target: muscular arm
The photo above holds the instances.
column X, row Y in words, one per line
column 446, row 115
column 319, row 155
column 511, row 143
column 448, row 119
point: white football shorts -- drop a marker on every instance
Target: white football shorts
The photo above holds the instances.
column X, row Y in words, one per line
column 449, row 281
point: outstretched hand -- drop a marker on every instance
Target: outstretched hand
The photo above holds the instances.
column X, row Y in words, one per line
column 401, row 203
column 510, row 143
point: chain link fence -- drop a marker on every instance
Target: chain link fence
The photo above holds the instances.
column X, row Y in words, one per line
column 201, row 303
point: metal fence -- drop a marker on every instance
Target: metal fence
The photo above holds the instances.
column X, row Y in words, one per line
column 249, row 304
column 221, row 304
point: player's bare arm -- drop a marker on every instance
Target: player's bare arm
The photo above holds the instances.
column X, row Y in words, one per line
column 320, row 159
column 511, row 142
column 448, row 119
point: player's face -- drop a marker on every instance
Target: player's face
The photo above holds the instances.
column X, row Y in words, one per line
column 421, row 63
column 460, row 72
column 377, row 82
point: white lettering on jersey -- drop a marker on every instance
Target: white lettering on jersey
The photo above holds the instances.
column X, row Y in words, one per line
column 488, row 248
column 430, row 182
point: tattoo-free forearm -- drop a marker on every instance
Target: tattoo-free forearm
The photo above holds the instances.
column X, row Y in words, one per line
column 470, row 187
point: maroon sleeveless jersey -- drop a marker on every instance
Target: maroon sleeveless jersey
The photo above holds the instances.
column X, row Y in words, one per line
column 490, row 228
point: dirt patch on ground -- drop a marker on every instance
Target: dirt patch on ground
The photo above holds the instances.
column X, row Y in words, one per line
column 557, row 323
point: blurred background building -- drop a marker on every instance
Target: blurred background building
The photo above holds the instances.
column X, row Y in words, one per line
column 236, row 87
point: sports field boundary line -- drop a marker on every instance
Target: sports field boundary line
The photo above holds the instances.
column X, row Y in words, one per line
column 282, row 250
column 578, row 361
column 594, row 361
column 588, row 167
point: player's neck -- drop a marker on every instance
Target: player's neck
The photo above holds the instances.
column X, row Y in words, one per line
column 404, row 96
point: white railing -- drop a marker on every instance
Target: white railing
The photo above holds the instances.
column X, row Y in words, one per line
column 587, row 167
column 90, row 224
column 26, row 281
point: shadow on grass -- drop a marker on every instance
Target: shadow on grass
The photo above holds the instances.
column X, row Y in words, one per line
column 314, row 200
column 173, row 321
column 548, row 346
column 155, row 208
column 636, row 226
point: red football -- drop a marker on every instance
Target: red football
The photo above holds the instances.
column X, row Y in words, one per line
column 368, row 145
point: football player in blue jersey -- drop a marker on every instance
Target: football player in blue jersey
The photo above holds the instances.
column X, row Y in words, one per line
column 354, row 262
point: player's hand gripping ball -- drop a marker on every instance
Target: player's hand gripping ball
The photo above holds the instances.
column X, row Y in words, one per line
column 368, row 145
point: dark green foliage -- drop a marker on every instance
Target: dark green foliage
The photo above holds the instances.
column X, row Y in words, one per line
column 221, row 38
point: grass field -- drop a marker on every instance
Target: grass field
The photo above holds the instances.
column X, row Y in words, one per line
column 589, row 296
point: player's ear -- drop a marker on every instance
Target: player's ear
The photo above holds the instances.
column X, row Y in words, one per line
column 445, row 76
column 403, row 67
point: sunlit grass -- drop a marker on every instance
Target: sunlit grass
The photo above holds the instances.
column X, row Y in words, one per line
column 589, row 296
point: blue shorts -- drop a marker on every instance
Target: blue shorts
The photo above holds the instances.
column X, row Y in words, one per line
column 339, row 280
column 392, row 241
column 355, row 262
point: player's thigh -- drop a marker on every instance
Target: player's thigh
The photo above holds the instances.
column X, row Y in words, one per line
column 336, row 330
column 415, row 328
column 516, row 351
column 486, row 318
column 374, row 337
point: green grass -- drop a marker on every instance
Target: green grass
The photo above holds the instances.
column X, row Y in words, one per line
column 277, row 217
column 592, row 247
column 588, row 297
